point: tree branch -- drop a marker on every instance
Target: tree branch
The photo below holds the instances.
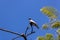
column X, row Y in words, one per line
column 13, row 33
column 15, row 37
column 10, row 31
column 30, row 33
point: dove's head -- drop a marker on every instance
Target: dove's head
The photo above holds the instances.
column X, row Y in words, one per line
column 29, row 18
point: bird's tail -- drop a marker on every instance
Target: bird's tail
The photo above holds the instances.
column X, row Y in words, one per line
column 37, row 26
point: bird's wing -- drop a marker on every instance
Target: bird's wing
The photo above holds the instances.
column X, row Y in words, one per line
column 32, row 21
column 35, row 25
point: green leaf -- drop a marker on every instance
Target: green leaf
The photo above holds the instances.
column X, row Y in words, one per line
column 56, row 24
column 49, row 11
column 40, row 38
column 49, row 37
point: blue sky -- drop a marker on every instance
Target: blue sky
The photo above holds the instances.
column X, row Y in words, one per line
column 14, row 16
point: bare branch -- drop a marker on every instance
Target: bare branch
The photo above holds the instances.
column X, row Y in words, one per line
column 15, row 37
column 14, row 33
column 10, row 31
column 26, row 30
column 30, row 33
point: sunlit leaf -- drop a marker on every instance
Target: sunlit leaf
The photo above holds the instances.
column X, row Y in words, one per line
column 58, row 37
column 50, row 12
column 58, row 31
column 49, row 37
column 40, row 38
column 56, row 24
column 45, row 26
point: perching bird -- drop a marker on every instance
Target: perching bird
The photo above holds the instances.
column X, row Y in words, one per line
column 24, row 36
column 33, row 23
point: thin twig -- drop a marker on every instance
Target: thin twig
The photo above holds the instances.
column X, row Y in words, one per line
column 25, row 37
column 15, row 37
column 26, row 30
column 10, row 31
column 30, row 33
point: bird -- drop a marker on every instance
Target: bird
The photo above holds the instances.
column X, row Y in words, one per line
column 33, row 23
